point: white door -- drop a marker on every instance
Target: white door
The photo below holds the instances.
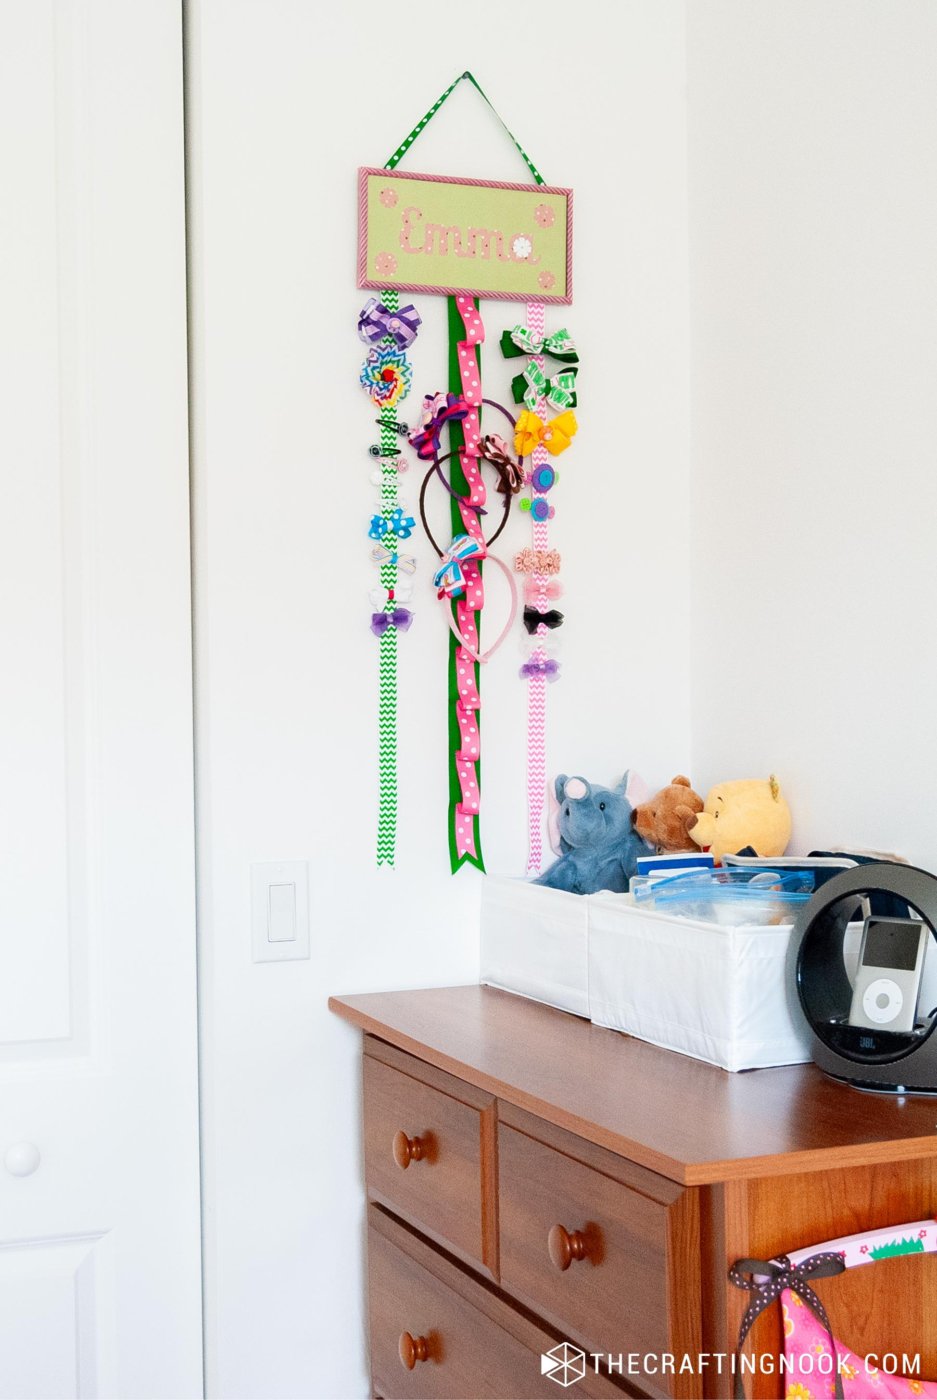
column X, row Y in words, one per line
column 99, row 1205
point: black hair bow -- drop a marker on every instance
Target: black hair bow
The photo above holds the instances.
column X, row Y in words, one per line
column 533, row 619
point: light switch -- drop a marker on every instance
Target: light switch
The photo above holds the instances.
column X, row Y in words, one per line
column 280, row 910
column 281, row 913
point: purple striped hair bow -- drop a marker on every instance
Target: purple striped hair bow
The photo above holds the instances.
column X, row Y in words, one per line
column 546, row 667
column 376, row 322
column 399, row 618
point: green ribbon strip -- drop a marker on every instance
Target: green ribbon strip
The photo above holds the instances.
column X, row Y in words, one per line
column 387, row 665
column 521, row 341
column 533, row 384
column 408, row 141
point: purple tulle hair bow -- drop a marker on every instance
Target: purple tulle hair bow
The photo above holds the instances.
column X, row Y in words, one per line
column 399, row 618
column 548, row 668
column 376, row 322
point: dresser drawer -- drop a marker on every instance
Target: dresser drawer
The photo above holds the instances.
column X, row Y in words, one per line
column 429, row 1153
column 599, row 1247
column 438, row 1333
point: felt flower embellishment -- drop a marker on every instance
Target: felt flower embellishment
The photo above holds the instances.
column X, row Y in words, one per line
column 386, row 375
column 544, row 216
column 555, row 436
column 396, row 524
column 388, row 198
column 522, row 247
column 546, row 280
column 385, row 264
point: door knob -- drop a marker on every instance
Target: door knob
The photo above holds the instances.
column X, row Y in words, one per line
column 412, row 1349
column 566, row 1245
column 407, row 1150
column 21, row 1159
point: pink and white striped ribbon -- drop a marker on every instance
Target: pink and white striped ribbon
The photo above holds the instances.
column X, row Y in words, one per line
column 537, row 685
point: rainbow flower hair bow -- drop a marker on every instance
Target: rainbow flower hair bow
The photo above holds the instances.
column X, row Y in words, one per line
column 449, row 578
column 521, row 341
column 438, row 410
column 555, row 436
column 376, row 322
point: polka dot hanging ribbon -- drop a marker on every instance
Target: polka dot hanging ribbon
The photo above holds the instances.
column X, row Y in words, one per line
column 466, row 334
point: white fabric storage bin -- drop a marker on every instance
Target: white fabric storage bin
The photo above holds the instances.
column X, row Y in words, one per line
column 535, row 941
column 720, row 994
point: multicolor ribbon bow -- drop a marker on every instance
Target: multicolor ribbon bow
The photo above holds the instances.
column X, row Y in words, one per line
column 394, row 524
column 494, row 449
column 449, row 578
column 438, row 410
column 558, row 390
column 376, row 321
column 399, row 618
column 522, row 341
column 540, row 666
column 380, row 556
column 555, row 436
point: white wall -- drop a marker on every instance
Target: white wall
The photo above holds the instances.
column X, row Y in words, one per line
column 287, row 98
column 813, row 225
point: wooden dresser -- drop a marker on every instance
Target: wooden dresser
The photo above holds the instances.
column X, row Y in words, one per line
column 538, row 1186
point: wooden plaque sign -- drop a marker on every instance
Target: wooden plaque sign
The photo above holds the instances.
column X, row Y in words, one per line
column 444, row 235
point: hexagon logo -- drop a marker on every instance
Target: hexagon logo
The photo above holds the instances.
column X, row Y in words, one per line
column 564, row 1364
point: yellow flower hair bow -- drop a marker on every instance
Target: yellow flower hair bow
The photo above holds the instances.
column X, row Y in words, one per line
column 555, row 435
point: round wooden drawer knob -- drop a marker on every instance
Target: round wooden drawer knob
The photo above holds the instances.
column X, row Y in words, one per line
column 566, row 1245
column 412, row 1350
column 407, row 1150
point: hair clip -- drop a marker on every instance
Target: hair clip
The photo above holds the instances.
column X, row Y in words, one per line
column 377, row 322
column 382, row 556
column 380, row 597
column 401, row 429
column 386, row 376
column 537, row 507
column 550, row 619
column 537, row 561
column 555, row 435
column 535, row 589
column 543, row 478
column 438, row 410
column 375, row 450
column 394, row 524
column 540, row 666
column 399, row 619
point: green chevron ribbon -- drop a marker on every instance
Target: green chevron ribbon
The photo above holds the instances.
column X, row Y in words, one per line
column 533, row 385
column 521, row 341
column 387, row 665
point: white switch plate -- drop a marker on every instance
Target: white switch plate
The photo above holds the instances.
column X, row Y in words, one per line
column 280, row 910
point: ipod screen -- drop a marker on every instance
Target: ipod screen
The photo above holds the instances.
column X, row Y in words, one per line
column 891, row 943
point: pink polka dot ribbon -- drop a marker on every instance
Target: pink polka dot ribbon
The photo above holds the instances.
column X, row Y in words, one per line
column 469, row 606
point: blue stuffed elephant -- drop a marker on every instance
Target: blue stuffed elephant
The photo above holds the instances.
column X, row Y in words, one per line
column 599, row 845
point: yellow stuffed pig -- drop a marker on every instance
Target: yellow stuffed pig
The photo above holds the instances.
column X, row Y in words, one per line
column 747, row 813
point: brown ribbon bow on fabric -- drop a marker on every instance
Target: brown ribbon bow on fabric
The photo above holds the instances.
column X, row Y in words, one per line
column 766, row 1279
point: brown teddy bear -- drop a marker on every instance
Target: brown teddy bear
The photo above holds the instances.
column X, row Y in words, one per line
column 664, row 820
